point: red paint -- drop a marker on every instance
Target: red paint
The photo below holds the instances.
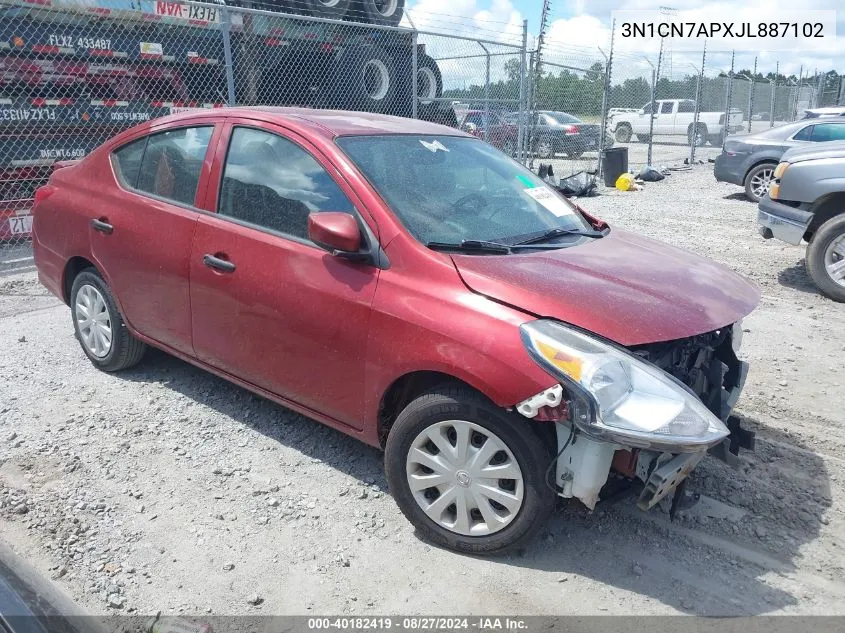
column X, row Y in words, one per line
column 328, row 336
column 335, row 231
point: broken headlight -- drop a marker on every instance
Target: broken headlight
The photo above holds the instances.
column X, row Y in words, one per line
column 619, row 397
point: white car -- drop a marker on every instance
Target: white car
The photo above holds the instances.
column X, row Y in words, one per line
column 673, row 117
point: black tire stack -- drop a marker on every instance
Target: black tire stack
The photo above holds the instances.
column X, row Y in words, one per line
column 370, row 71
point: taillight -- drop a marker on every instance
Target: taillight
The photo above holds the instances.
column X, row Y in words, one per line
column 571, row 129
column 44, row 192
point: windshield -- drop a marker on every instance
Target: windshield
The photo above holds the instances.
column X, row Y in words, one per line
column 450, row 189
column 563, row 118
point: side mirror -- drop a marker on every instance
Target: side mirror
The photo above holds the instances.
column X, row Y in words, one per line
column 337, row 232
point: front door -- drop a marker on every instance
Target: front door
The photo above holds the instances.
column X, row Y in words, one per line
column 268, row 305
column 142, row 237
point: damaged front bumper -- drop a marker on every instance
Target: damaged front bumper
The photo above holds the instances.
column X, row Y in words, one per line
column 707, row 364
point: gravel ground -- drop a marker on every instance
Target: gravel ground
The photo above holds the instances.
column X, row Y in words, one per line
column 165, row 488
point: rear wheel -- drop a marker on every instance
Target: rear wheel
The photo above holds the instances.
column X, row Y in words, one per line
column 825, row 260
column 758, row 180
column 335, row 9
column 697, row 136
column 367, row 74
column 544, row 147
column 99, row 326
column 623, row 133
column 716, row 140
column 468, row 475
column 384, row 12
column 429, row 80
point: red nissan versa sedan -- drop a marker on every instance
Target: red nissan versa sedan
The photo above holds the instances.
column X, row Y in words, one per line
column 412, row 286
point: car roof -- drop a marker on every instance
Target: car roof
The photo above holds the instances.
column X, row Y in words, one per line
column 327, row 123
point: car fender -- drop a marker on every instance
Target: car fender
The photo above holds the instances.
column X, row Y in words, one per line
column 445, row 328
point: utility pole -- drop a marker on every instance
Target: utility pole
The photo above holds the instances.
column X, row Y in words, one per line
column 537, row 75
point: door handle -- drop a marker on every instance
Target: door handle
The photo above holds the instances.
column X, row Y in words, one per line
column 220, row 264
column 102, row 227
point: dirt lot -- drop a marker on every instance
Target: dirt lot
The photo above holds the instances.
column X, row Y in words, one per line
column 164, row 488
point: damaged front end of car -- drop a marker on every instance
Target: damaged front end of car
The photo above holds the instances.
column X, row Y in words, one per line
column 650, row 412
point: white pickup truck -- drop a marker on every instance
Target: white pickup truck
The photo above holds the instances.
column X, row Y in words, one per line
column 673, row 117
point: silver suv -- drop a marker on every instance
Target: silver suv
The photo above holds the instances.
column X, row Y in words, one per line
column 806, row 201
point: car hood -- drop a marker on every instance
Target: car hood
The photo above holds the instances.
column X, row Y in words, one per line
column 624, row 287
column 814, row 151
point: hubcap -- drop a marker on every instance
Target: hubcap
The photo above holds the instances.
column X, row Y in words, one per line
column 92, row 320
column 386, row 7
column 834, row 260
column 760, row 182
column 376, row 79
column 465, row 478
column 544, row 149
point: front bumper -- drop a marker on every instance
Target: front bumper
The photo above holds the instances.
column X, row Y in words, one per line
column 781, row 221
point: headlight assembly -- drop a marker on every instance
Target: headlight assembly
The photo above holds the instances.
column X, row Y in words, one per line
column 619, row 397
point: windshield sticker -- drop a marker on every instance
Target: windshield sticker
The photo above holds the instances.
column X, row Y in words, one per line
column 434, row 146
column 525, row 180
column 550, row 201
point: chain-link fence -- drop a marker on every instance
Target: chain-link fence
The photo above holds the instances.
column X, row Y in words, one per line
column 73, row 73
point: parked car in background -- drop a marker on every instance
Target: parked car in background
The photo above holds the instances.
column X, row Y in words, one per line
column 807, row 202
column 674, row 117
column 561, row 133
column 384, row 276
column 750, row 161
column 817, row 113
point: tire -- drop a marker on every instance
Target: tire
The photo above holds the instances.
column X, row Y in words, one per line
column 429, row 79
column 608, row 141
column 124, row 350
column 697, row 137
column 623, row 133
column 643, row 138
column 715, row 140
column 365, row 76
column 544, row 147
column 756, row 177
column 448, row 408
column 384, row 12
column 334, row 9
column 827, row 248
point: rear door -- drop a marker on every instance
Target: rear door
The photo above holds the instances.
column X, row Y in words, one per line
column 279, row 312
column 141, row 233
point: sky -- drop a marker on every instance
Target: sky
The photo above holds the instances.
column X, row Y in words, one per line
column 579, row 27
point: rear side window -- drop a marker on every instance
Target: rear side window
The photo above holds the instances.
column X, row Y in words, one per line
column 666, row 107
column 127, row 161
column 828, row 132
column 686, row 106
column 172, row 163
column 804, row 134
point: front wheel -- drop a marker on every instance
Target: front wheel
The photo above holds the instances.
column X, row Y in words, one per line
column 623, row 133
column 758, row 180
column 825, row 260
column 544, row 148
column 468, row 475
column 99, row 326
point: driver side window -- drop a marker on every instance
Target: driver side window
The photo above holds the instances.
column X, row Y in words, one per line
column 272, row 183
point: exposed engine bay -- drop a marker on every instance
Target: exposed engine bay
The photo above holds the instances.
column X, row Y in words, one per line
column 706, row 365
